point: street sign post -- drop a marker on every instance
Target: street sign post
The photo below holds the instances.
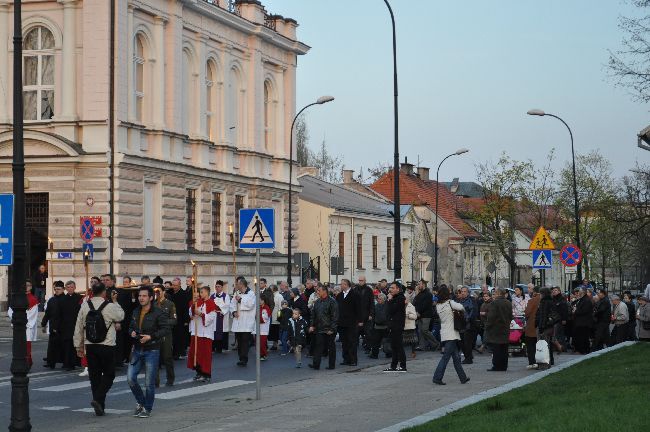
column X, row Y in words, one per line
column 257, row 231
column 542, row 259
column 571, row 255
column 6, row 229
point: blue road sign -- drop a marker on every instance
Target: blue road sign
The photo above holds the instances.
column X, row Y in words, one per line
column 257, row 228
column 91, row 251
column 542, row 259
column 65, row 255
column 6, row 229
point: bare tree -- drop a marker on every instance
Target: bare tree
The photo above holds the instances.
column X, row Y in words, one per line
column 302, row 142
column 629, row 66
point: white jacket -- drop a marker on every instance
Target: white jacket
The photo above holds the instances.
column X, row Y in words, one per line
column 446, row 315
column 32, row 322
column 245, row 322
column 223, row 303
column 204, row 325
column 277, row 299
column 411, row 317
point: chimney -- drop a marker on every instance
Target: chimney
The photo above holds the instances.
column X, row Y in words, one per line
column 423, row 173
column 406, row 167
column 348, row 176
column 453, row 188
column 310, row 171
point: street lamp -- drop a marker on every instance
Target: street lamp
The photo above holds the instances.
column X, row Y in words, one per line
column 397, row 256
column 541, row 113
column 320, row 101
column 458, row 152
column 18, row 300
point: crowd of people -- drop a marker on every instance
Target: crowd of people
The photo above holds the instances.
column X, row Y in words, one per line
column 154, row 323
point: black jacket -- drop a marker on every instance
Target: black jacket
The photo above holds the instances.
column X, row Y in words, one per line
column 325, row 315
column 561, row 306
column 396, row 312
column 154, row 324
column 380, row 320
column 545, row 313
column 298, row 332
column 182, row 301
column 366, row 300
column 349, row 309
column 423, row 303
column 582, row 315
column 53, row 314
column 603, row 311
column 285, row 315
column 300, row 303
column 69, row 305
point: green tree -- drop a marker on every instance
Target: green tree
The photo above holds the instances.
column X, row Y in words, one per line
column 302, row 142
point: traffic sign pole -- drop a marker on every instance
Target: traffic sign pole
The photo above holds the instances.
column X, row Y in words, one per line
column 258, row 375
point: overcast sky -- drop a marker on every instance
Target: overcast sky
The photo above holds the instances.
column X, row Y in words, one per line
column 468, row 72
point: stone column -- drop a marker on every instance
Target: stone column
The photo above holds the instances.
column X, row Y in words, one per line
column 69, row 66
column 202, row 64
column 158, row 87
column 130, row 37
column 4, row 61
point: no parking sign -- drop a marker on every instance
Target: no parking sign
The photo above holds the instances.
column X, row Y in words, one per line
column 571, row 255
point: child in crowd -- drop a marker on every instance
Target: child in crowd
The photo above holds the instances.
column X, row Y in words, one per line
column 265, row 324
column 297, row 335
column 284, row 315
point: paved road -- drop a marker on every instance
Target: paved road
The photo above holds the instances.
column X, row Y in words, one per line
column 359, row 399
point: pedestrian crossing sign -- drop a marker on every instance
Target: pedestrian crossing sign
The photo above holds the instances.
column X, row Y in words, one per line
column 542, row 259
column 257, row 228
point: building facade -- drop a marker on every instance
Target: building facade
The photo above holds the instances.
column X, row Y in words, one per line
column 203, row 96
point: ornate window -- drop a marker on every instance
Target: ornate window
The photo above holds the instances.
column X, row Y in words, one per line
column 38, row 74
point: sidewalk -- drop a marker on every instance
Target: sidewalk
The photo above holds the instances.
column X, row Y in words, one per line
column 344, row 400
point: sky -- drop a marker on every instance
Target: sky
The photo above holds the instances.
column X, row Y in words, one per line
column 468, row 72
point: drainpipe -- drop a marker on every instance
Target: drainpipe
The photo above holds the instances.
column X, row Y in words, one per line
column 111, row 141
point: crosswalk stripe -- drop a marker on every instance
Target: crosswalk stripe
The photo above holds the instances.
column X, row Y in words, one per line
column 55, row 408
column 78, row 385
column 192, row 391
column 121, row 392
column 32, row 375
column 107, row 411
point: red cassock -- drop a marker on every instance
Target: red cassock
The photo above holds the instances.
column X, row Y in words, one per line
column 202, row 329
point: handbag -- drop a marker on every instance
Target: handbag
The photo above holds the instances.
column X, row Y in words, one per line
column 459, row 319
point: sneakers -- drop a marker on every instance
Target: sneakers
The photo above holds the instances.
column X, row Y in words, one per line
column 283, row 354
column 263, row 358
column 390, row 369
column 401, row 369
column 197, row 377
column 144, row 414
column 84, row 373
column 533, row 366
column 138, row 409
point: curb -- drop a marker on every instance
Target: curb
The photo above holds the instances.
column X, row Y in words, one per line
column 441, row 412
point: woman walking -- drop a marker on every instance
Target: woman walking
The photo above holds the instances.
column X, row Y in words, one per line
column 449, row 336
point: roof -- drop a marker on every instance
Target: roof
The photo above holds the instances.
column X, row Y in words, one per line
column 341, row 198
column 465, row 189
column 403, row 209
column 416, row 191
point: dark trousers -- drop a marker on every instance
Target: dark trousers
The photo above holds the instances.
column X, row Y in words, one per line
column 55, row 349
column 69, row 354
column 349, row 342
column 500, row 357
column 243, row 345
column 581, row 339
column 180, row 335
column 101, row 370
column 601, row 336
column 397, row 346
column 468, row 339
column 119, row 347
column 377, row 336
column 619, row 334
column 324, row 342
column 166, row 359
column 221, row 344
column 530, row 349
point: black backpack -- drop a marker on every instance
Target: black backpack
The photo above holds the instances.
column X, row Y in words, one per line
column 96, row 329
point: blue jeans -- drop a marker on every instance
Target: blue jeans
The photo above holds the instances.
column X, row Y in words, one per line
column 148, row 359
column 451, row 351
column 284, row 338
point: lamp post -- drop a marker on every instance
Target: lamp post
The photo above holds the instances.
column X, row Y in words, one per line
column 320, row 101
column 18, row 300
column 541, row 113
column 435, row 240
column 397, row 256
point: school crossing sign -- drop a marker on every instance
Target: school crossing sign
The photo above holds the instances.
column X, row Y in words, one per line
column 257, row 228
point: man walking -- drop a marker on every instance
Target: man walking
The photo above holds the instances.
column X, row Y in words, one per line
column 52, row 318
column 180, row 331
column 94, row 336
column 166, row 356
column 70, row 305
column 497, row 327
column 349, row 322
column 243, row 322
column 423, row 303
column 396, row 317
column 147, row 329
column 324, row 317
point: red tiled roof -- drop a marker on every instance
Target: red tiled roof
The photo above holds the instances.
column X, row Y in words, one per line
column 415, row 191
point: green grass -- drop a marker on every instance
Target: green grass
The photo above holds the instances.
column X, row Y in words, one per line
column 607, row 393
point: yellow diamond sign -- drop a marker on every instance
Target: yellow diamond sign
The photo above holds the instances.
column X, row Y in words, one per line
column 541, row 240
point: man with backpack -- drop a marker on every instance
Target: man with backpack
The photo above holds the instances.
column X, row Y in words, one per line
column 94, row 336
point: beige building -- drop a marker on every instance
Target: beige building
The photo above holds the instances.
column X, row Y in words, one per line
column 204, row 95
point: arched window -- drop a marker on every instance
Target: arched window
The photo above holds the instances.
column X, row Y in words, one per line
column 235, row 125
column 38, row 74
column 211, row 101
column 268, row 116
column 139, row 77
